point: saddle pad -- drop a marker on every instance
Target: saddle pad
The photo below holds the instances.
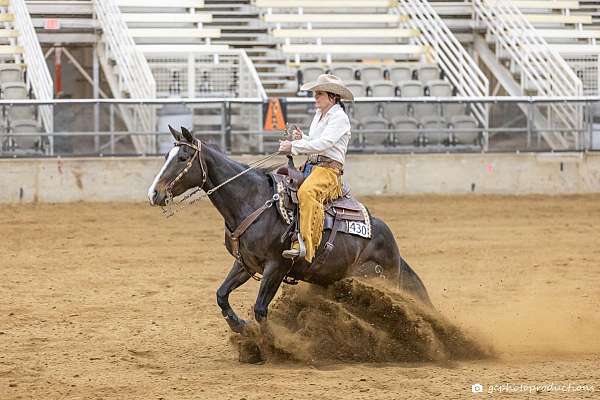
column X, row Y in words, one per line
column 355, row 220
column 358, row 227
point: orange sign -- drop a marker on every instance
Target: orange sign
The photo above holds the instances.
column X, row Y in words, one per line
column 274, row 119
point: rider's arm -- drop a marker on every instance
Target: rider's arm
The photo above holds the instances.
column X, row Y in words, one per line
column 336, row 127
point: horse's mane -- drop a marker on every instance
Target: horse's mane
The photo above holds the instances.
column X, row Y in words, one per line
column 266, row 170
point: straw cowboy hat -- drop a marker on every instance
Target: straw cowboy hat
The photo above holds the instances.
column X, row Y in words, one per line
column 329, row 83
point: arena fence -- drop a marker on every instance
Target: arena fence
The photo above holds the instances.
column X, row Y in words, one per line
column 395, row 125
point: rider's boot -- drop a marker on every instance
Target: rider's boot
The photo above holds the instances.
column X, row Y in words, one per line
column 298, row 250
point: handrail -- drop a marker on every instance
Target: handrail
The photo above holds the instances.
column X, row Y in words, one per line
column 133, row 69
column 457, row 64
column 260, row 100
column 249, row 68
column 37, row 70
column 540, row 65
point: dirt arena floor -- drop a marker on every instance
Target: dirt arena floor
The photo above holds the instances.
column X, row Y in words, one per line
column 112, row 301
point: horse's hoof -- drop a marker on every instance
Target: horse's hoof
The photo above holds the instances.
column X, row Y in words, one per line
column 238, row 325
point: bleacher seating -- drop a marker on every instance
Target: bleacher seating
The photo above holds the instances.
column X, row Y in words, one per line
column 431, row 124
column 369, row 46
column 464, row 130
column 171, row 23
column 16, row 122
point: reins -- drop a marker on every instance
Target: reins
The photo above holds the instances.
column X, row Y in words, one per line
column 172, row 208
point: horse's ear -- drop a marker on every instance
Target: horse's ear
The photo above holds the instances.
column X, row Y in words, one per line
column 175, row 134
column 187, row 135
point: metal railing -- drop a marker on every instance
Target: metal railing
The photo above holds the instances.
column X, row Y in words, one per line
column 458, row 66
column 38, row 74
column 132, row 76
column 541, row 67
column 506, row 131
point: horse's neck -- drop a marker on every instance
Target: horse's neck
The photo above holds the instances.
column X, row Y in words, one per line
column 238, row 198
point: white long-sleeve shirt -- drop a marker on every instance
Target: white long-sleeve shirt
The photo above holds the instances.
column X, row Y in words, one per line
column 328, row 136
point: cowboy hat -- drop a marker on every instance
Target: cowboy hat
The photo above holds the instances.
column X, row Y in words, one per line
column 329, row 83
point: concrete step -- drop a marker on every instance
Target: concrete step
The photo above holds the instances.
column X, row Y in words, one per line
column 280, row 92
column 269, row 58
column 237, row 14
column 261, row 64
column 277, row 74
column 251, row 43
column 238, row 28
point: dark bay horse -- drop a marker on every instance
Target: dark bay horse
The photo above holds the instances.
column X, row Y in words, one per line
column 190, row 164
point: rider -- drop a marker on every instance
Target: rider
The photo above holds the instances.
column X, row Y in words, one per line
column 326, row 145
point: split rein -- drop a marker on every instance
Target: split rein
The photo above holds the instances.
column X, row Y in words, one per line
column 171, row 208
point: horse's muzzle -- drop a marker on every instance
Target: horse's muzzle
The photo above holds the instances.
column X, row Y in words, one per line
column 157, row 199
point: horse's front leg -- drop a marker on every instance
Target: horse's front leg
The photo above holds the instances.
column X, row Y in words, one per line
column 273, row 275
column 236, row 277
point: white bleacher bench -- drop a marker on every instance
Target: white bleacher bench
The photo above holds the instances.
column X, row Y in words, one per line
column 11, row 73
column 167, row 17
column 325, row 4
column 561, row 33
column 337, row 18
column 161, row 4
column 174, row 33
column 182, row 48
column 8, row 33
column 11, row 50
column 60, row 7
column 400, row 49
column 345, row 33
column 546, row 4
column 454, row 8
column 7, row 17
column 575, row 49
column 464, row 8
column 558, row 19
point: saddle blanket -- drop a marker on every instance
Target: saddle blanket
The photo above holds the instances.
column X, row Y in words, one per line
column 352, row 222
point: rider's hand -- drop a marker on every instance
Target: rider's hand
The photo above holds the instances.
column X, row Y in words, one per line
column 297, row 133
column 285, row 147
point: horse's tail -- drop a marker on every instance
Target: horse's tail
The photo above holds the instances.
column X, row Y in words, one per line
column 409, row 281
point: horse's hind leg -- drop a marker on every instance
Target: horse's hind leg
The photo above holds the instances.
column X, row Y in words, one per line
column 236, row 277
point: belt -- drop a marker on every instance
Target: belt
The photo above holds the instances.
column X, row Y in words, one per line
column 325, row 161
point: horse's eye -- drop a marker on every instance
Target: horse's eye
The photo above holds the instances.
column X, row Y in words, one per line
column 182, row 157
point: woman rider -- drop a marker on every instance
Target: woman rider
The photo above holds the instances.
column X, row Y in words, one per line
column 326, row 145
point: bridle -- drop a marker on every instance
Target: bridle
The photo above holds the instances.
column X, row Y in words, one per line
column 197, row 146
column 169, row 210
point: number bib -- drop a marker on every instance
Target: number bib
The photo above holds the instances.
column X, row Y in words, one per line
column 359, row 229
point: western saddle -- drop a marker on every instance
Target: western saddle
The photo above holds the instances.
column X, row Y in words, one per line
column 339, row 213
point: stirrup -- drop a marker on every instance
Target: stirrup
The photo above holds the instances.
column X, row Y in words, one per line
column 300, row 252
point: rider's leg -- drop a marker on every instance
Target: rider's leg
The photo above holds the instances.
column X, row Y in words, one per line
column 323, row 184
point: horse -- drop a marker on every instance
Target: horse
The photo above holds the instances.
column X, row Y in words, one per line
column 237, row 191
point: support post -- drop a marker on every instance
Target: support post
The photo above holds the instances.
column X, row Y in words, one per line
column 96, row 95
